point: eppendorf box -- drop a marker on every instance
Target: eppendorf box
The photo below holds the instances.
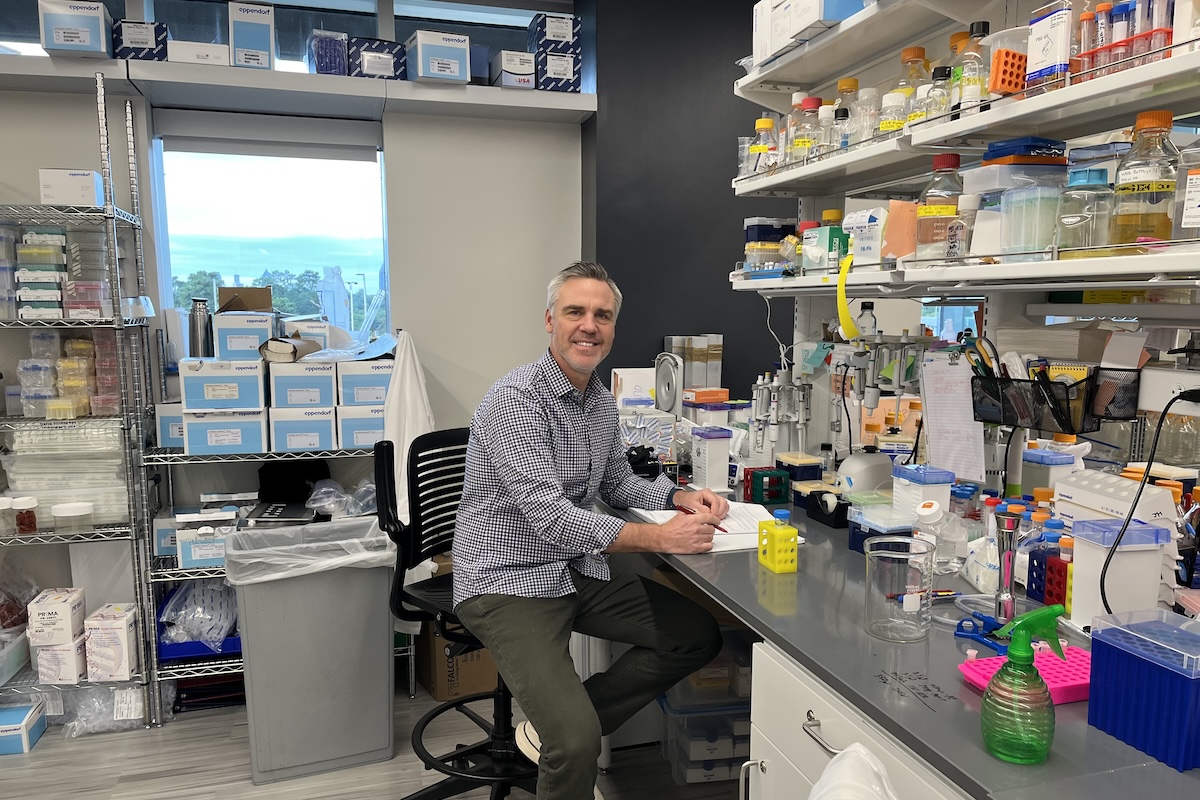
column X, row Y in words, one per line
column 225, row 433
column 302, row 429
column 209, row 384
column 303, row 385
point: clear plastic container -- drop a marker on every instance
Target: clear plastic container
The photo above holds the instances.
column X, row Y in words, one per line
column 33, row 400
column 87, row 259
column 971, row 70
column 1187, row 194
column 25, row 509
column 79, row 348
column 108, row 384
column 1085, row 213
column 938, row 206
column 1146, row 182
column 87, row 291
column 67, row 407
column 40, row 254
column 865, row 114
column 36, row 373
column 76, row 385
column 893, row 116
column 1029, row 217
column 39, row 309
column 112, row 503
column 804, row 135
column 107, row 405
column 39, row 276
column 51, row 292
column 73, row 517
column 937, row 99
column 12, row 400
column 944, row 531
column 75, row 366
column 8, row 517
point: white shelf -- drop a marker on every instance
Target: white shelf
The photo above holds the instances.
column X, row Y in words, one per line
column 1095, row 106
column 488, row 102
column 62, row 74
column 858, row 284
column 880, row 30
column 853, row 172
column 1146, row 312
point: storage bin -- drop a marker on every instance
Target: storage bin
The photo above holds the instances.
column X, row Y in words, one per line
column 701, row 743
column 106, row 405
column 39, row 310
column 33, row 400
column 768, row 229
column 45, row 344
column 75, row 366
column 111, row 503
column 74, row 309
column 876, row 520
column 14, row 656
column 77, row 385
column 1133, row 574
column 108, row 384
column 67, row 407
column 36, row 373
column 38, row 276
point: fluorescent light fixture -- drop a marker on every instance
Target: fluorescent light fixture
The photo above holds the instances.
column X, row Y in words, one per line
column 22, row 49
column 464, row 12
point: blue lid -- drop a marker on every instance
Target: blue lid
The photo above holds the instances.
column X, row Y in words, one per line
column 1120, row 8
column 922, row 474
column 782, row 515
column 714, row 406
column 1092, row 176
column 1027, row 515
column 637, row 402
column 1051, row 536
column 1104, row 532
column 991, row 493
column 1028, row 498
column 1002, row 507
column 714, row 432
column 1053, row 525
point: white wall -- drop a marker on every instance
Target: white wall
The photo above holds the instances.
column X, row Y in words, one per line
column 481, row 214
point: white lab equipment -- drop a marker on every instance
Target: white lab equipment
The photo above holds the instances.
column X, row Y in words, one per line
column 914, row 484
column 1132, row 581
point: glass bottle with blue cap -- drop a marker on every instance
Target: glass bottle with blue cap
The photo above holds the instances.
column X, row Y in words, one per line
column 1085, row 212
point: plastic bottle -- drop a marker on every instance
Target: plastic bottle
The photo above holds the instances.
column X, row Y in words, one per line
column 867, row 325
column 792, row 123
column 1087, row 32
column 1017, row 714
column 945, row 532
column 831, row 218
column 804, row 131
column 828, row 471
column 1085, row 213
column 937, row 100
column 938, row 206
column 825, row 121
column 843, row 131
column 961, row 229
column 916, row 106
column 1146, row 181
column 1120, row 22
column 1026, row 526
column 8, row 517
column 1187, row 194
column 893, row 115
column 1044, row 497
column 25, row 513
column 1066, row 549
column 971, row 71
column 847, row 89
column 865, row 115
column 1029, row 215
column 913, row 72
column 898, row 445
column 990, row 506
column 764, row 150
column 1104, row 24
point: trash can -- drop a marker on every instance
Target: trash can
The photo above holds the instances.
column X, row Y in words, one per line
column 316, row 643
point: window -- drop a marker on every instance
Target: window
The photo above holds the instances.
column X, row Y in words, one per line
column 312, row 228
column 950, row 320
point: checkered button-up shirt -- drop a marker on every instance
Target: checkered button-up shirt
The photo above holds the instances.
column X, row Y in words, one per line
column 539, row 455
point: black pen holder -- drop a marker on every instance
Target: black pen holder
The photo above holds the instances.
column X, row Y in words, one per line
column 1038, row 405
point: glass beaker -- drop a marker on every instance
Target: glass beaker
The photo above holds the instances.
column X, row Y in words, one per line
column 899, row 587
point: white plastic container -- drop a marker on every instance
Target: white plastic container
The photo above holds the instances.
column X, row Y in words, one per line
column 1133, row 575
column 73, row 517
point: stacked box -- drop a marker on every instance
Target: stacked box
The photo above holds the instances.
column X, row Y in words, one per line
column 239, row 334
column 75, row 27
column 139, row 41
column 438, row 57
column 376, row 58
column 251, row 35
column 56, row 617
column 327, row 53
column 111, row 643
column 557, row 44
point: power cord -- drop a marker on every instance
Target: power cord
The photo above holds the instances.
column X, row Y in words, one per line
column 912, row 457
column 1188, row 396
column 846, row 408
column 783, row 362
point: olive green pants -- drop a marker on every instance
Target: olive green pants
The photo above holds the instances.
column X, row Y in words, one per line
column 530, row 639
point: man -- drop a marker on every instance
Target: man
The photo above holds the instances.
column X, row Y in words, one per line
column 531, row 557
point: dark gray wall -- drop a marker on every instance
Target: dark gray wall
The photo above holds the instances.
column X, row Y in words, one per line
column 658, row 157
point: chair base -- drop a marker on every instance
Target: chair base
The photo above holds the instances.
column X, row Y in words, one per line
column 494, row 761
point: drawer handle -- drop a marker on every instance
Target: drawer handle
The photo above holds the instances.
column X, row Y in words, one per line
column 744, row 774
column 813, row 728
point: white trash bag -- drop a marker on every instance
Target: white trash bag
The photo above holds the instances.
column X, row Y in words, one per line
column 854, row 774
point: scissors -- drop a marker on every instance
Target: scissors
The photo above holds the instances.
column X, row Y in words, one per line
column 988, row 356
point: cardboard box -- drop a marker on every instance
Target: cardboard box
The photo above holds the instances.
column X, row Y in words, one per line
column 302, row 429
column 198, row 53
column 139, row 41
column 225, row 433
column 63, row 663
column 448, row 678
column 359, row 426
column 75, row 27
column 112, row 643
column 251, row 35
column 326, row 53
column 557, row 72
column 512, row 69
column 312, row 329
column 239, row 334
column 716, row 352
column 209, row 384
column 364, row 383
column 555, row 33
column 56, row 617
column 71, row 187
column 203, row 546
column 303, row 384
column 761, row 33
column 438, row 57
column 164, row 527
column 632, row 383
column 811, row 17
column 170, row 424
column 21, row 727
column 245, row 298
column 695, row 362
column 376, row 58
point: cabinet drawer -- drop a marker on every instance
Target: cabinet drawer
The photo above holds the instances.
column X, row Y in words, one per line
column 775, row 778
column 784, row 693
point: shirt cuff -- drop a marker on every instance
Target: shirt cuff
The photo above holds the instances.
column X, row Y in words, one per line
column 668, row 488
column 607, row 531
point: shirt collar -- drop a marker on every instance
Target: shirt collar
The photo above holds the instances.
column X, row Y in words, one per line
column 559, row 383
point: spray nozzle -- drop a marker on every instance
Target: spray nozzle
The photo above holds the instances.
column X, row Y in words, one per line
column 1043, row 623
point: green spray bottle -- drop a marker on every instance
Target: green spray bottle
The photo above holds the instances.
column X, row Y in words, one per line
column 1017, row 713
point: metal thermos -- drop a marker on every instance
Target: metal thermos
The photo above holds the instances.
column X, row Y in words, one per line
column 1008, row 538
column 200, row 330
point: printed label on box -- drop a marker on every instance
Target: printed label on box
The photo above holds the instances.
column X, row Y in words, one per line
column 127, row 704
column 303, row 441
column 220, row 391
column 297, row 397
column 378, row 64
column 217, row 438
column 242, row 342
column 560, row 67
column 202, row 551
column 53, row 702
column 250, row 58
column 558, row 29
column 443, row 66
column 175, row 430
column 369, row 394
column 138, row 34
column 74, row 36
column 367, row 438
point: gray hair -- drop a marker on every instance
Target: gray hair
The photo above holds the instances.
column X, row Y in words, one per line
column 582, row 269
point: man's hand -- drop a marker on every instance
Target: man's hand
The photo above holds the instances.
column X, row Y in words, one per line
column 705, row 501
column 688, row 533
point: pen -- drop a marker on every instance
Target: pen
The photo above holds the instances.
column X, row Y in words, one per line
column 935, row 594
column 686, row 510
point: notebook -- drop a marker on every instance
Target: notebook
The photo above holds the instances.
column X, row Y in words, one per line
column 741, row 523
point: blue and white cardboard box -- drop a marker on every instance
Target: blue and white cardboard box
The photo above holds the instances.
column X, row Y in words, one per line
column 512, row 69
column 251, row 35
column 209, row 384
column 139, row 41
column 376, row 58
column 364, row 383
column 359, row 426
column 557, row 72
column 75, row 27
column 438, row 57
column 555, row 33
column 165, row 525
column 203, row 546
column 225, row 433
column 327, row 53
column 170, row 424
column 239, row 334
column 301, row 429
column 21, row 727
column 314, row 329
column 303, row 384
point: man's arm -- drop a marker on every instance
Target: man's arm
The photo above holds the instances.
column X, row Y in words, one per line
column 682, row 534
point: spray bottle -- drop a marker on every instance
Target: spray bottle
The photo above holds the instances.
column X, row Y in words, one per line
column 1017, row 714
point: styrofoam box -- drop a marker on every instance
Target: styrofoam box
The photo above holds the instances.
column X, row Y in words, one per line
column 239, row 334
column 215, row 385
column 21, row 727
column 75, row 27
column 302, row 429
column 359, row 426
column 313, row 329
column 63, row 663
column 56, row 617
column 170, row 424
column 303, row 384
column 111, row 643
column 202, row 548
column 225, row 433
column 364, row 383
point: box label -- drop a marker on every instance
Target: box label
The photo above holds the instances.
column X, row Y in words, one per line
column 560, row 67
column 53, row 702
column 367, row 438
column 1191, row 200
column 369, row 394
column 303, row 441
column 558, row 29
column 242, row 342
column 203, row 551
column 250, row 58
column 300, row 397
column 221, row 437
column 380, row 65
column 220, row 391
column 175, row 430
column 443, row 66
column 127, row 704
column 80, row 37
column 138, row 34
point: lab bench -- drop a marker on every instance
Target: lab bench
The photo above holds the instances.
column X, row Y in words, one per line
column 821, row 682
